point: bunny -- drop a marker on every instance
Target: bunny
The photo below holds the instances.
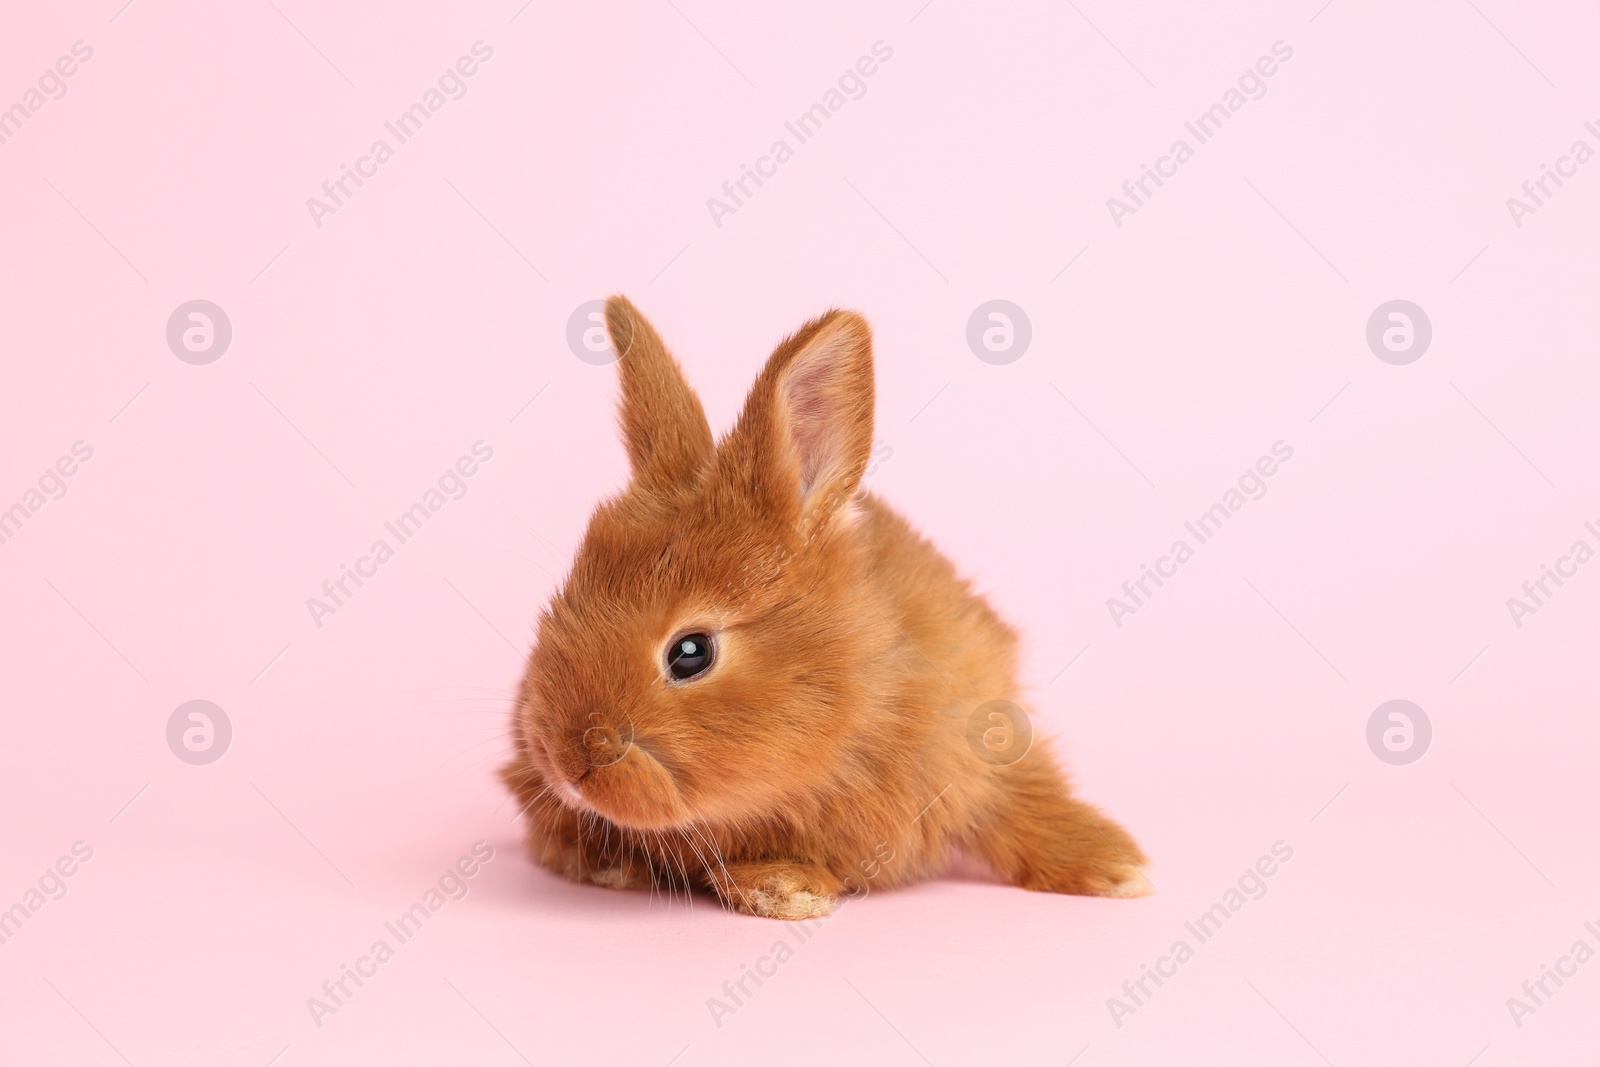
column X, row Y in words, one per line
column 760, row 681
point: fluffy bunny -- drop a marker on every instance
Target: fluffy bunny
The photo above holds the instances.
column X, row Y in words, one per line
column 760, row 681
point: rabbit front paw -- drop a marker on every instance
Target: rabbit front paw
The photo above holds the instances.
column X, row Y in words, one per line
column 621, row 877
column 777, row 890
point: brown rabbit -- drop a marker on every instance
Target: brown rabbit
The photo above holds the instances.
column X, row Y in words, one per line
column 760, row 681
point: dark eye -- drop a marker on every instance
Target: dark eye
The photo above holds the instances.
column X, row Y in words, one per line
column 688, row 655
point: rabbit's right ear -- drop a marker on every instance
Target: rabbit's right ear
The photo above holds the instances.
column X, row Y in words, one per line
column 664, row 426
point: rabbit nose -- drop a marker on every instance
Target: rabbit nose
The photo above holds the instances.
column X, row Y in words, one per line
column 604, row 741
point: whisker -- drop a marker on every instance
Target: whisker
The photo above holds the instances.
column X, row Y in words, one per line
column 670, row 857
column 480, row 688
column 694, row 848
column 710, row 840
column 490, row 758
column 656, row 883
column 688, row 883
column 666, row 870
column 469, row 748
column 535, row 799
column 496, row 712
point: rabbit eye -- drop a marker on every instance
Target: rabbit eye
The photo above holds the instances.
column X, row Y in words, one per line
column 688, row 655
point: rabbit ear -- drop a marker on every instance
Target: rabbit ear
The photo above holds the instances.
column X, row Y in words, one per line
column 663, row 424
column 804, row 438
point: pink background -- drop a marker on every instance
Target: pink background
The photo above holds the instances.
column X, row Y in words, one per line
column 367, row 354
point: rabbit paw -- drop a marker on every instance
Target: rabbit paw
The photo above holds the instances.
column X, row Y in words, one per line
column 778, row 890
column 572, row 860
column 617, row 877
column 1132, row 882
column 1042, row 839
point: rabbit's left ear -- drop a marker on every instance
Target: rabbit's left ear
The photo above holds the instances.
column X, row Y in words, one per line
column 803, row 441
column 663, row 424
